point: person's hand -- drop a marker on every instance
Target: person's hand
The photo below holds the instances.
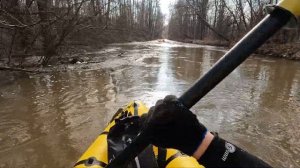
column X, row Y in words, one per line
column 172, row 125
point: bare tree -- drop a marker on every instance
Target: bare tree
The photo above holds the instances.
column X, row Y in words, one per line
column 224, row 20
column 43, row 27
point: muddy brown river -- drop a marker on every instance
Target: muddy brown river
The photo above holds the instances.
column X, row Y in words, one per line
column 47, row 120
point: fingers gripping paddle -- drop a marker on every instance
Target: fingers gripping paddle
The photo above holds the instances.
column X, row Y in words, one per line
column 232, row 59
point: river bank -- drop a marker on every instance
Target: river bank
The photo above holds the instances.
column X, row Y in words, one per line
column 88, row 57
column 289, row 51
column 74, row 50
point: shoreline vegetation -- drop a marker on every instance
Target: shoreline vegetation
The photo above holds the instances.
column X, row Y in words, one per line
column 224, row 22
column 290, row 51
column 51, row 29
column 80, row 56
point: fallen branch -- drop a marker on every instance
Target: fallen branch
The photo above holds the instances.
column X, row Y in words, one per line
column 20, row 70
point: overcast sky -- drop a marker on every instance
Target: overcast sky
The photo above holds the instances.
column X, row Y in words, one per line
column 164, row 4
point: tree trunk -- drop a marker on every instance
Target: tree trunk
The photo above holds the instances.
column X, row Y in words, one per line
column 48, row 37
column 242, row 14
column 107, row 14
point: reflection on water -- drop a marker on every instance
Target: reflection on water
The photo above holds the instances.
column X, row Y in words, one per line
column 48, row 120
column 43, row 117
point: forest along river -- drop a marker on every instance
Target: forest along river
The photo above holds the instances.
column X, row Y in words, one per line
column 48, row 120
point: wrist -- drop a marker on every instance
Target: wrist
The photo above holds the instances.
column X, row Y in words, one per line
column 204, row 145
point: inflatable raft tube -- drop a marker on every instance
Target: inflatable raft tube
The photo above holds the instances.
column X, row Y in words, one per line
column 96, row 156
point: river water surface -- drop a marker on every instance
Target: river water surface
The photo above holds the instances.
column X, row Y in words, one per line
column 48, row 120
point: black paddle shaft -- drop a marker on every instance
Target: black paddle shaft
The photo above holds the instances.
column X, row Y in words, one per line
column 236, row 55
column 232, row 59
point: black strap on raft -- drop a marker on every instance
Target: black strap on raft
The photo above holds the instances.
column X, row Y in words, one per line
column 161, row 157
column 147, row 158
column 122, row 134
column 178, row 154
